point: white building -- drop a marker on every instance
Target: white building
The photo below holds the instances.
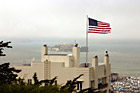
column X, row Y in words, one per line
column 67, row 67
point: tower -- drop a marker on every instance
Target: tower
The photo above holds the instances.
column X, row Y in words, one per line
column 76, row 56
column 44, row 51
column 95, row 70
column 107, row 70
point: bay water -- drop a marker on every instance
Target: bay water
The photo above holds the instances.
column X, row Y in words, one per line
column 124, row 58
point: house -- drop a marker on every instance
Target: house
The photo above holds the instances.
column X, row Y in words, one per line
column 67, row 67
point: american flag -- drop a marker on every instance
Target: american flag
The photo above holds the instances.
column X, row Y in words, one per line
column 98, row 27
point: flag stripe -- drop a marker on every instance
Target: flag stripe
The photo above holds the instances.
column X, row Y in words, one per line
column 98, row 27
column 98, row 32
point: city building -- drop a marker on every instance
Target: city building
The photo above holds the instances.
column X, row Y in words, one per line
column 114, row 77
column 67, row 67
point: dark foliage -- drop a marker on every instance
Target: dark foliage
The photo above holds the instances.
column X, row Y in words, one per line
column 89, row 90
column 7, row 75
column 2, row 46
column 8, row 88
column 71, row 85
column 46, row 82
column 35, row 79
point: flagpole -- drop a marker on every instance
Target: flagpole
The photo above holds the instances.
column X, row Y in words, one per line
column 86, row 40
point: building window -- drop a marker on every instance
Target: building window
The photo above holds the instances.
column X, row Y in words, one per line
column 79, row 85
column 55, row 82
column 92, row 84
column 29, row 81
column 102, row 83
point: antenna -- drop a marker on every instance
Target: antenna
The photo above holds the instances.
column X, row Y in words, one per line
column 75, row 41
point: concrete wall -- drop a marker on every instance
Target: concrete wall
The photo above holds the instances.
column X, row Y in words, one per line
column 85, row 77
column 69, row 73
column 68, row 60
column 28, row 71
column 101, row 71
column 63, row 74
column 76, row 56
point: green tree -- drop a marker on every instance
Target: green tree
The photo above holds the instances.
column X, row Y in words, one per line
column 7, row 75
column 2, row 46
column 70, row 85
column 46, row 82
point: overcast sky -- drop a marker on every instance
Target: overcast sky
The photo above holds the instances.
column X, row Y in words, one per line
column 24, row 19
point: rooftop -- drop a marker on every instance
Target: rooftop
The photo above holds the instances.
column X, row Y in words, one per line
column 57, row 54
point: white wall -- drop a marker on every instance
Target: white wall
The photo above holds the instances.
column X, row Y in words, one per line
column 58, row 58
column 69, row 73
column 28, row 71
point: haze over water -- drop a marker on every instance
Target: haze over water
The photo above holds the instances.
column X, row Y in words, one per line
column 31, row 23
column 124, row 56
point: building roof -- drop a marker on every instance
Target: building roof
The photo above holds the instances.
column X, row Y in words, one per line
column 89, row 64
column 57, row 54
